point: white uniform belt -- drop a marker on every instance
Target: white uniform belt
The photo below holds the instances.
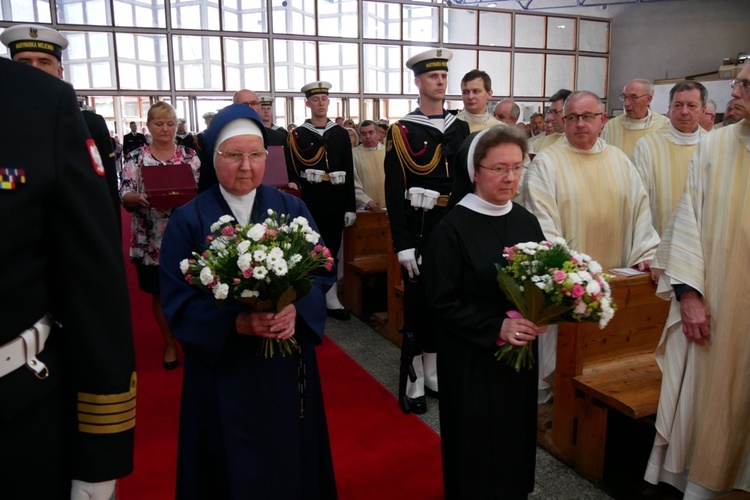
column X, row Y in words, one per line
column 326, row 177
column 23, row 350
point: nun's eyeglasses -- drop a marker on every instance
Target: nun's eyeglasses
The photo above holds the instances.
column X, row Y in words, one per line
column 236, row 158
column 503, row 171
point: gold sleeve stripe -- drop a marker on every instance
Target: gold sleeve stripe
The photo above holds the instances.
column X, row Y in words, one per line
column 107, row 429
column 85, row 397
column 106, row 408
column 114, row 418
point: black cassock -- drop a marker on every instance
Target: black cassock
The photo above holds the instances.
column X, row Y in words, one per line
column 487, row 410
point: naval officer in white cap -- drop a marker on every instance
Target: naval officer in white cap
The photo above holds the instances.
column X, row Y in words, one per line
column 320, row 165
column 420, row 149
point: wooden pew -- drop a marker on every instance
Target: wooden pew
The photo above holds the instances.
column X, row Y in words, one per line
column 601, row 370
column 366, row 245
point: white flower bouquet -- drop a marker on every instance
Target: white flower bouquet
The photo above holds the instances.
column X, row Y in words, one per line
column 265, row 266
column 549, row 283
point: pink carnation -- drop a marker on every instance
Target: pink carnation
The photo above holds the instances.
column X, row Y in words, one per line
column 227, row 230
column 247, row 273
column 329, row 264
column 511, row 251
column 326, row 253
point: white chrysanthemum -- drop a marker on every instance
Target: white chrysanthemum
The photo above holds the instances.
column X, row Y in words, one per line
column 294, row 260
column 276, row 253
column 207, row 277
column 540, row 285
column 218, row 244
column 184, row 266
column 279, row 268
column 256, row 232
column 243, row 247
column 559, row 241
column 573, row 278
column 245, row 261
column 592, row 288
column 221, row 291
column 585, row 276
column 249, row 293
column 260, row 255
column 595, row 267
column 260, row 272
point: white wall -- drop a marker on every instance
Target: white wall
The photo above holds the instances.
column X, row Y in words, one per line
column 675, row 39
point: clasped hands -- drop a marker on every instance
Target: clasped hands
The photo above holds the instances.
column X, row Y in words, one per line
column 279, row 325
column 519, row 331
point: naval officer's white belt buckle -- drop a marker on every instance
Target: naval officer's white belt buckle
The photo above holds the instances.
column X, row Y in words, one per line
column 425, row 199
column 23, row 350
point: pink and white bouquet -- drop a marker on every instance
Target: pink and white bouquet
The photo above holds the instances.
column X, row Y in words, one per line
column 549, row 283
column 263, row 265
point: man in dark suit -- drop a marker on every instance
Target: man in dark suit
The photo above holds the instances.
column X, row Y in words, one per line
column 42, row 47
column 133, row 140
column 67, row 380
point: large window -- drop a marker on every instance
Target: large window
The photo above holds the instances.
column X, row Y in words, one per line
column 197, row 53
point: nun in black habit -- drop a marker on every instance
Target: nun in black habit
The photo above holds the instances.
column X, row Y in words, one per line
column 487, row 410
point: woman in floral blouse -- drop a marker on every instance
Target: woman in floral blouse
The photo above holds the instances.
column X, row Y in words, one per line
column 149, row 223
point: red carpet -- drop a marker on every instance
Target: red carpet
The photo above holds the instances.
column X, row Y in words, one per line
column 378, row 452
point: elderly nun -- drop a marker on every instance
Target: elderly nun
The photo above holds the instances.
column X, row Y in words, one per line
column 250, row 427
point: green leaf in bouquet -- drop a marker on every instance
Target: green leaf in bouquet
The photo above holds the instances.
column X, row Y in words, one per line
column 286, row 298
column 512, row 291
column 539, row 312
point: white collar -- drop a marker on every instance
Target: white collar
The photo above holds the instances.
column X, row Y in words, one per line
column 684, row 138
column 638, row 123
column 477, row 204
column 743, row 132
column 597, row 148
column 376, row 148
column 241, row 205
column 485, row 117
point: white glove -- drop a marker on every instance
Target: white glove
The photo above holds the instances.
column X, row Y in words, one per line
column 349, row 218
column 408, row 259
column 81, row 490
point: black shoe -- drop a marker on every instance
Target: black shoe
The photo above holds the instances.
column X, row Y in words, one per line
column 417, row 406
column 339, row 314
column 432, row 393
column 171, row 365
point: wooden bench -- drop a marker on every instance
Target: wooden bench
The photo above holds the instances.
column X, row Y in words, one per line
column 606, row 369
column 366, row 245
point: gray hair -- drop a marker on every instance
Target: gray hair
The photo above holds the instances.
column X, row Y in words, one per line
column 583, row 93
column 648, row 87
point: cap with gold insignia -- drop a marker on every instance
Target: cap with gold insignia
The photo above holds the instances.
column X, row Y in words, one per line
column 315, row 88
column 208, row 114
column 34, row 38
column 429, row 60
column 266, row 100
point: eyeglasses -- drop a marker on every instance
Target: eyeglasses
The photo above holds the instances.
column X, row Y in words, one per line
column 252, row 103
column 237, row 158
column 586, row 117
column 554, row 112
column 744, row 84
column 631, row 97
column 503, row 171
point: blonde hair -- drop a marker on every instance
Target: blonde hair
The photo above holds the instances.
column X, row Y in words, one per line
column 161, row 109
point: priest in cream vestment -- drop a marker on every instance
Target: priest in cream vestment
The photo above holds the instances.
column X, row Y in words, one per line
column 589, row 193
column 476, row 91
column 702, row 443
column 369, row 172
column 638, row 120
column 662, row 158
